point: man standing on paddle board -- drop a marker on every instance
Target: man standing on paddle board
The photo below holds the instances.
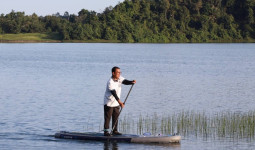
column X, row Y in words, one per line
column 112, row 102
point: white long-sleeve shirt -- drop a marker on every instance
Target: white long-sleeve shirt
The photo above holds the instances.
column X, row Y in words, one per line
column 109, row 99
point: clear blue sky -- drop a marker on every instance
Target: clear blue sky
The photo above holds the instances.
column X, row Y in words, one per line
column 49, row 7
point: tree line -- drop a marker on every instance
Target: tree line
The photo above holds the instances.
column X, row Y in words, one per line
column 145, row 21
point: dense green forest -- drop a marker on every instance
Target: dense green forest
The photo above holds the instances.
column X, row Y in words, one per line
column 146, row 21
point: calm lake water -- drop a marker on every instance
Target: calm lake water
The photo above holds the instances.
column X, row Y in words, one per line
column 50, row 87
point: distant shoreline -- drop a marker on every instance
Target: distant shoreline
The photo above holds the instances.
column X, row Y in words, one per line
column 55, row 41
column 105, row 41
column 54, row 38
column 28, row 41
column 45, row 38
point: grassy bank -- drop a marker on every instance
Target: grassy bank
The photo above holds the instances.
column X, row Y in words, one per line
column 29, row 38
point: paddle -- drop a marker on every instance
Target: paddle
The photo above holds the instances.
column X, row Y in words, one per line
column 122, row 108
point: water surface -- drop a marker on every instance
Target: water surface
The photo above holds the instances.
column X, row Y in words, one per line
column 49, row 87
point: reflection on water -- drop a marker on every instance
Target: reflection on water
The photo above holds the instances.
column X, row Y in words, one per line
column 110, row 146
column 115, row 146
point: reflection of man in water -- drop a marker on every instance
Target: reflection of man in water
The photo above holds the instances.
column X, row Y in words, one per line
column 107, row 145
column 112, row 102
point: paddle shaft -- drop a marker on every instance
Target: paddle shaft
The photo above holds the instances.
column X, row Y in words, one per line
column 122, row 108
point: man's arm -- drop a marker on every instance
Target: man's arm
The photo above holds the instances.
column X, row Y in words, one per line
column 117, row 98
column 115, row 94
column 127, row 82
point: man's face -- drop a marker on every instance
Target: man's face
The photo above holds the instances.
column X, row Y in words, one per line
column 116, row 74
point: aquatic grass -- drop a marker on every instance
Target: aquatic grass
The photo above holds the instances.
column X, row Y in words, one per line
column 222, row 124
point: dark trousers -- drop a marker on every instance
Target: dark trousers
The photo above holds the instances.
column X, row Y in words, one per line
column 111, row 112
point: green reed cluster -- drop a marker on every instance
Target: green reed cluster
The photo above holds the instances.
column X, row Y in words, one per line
column 221, row 124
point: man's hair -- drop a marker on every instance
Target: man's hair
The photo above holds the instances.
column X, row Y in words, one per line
column 114, row 69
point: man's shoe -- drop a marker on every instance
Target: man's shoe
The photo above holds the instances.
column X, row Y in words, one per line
column 107, row 134
column 116, row 133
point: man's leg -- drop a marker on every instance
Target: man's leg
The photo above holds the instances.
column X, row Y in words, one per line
column 107, row 118
column 115, row 115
